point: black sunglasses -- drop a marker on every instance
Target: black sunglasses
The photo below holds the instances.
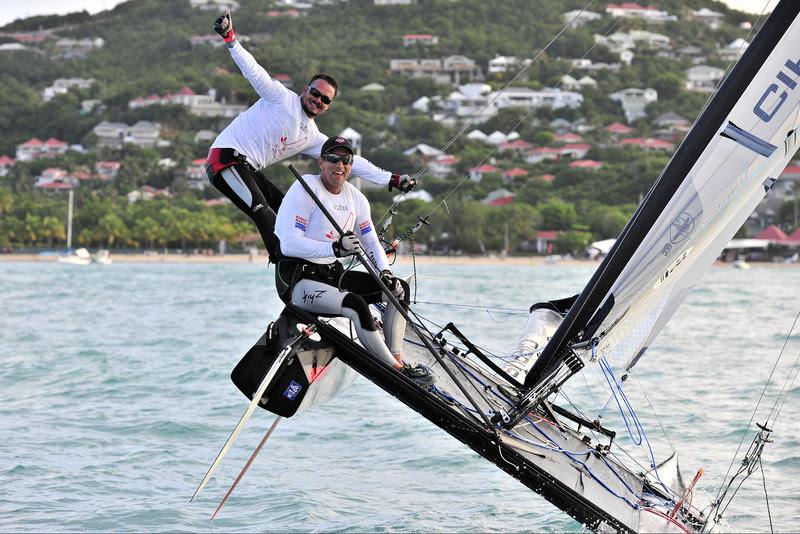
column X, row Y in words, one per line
column 346, row 159
column 313, row 91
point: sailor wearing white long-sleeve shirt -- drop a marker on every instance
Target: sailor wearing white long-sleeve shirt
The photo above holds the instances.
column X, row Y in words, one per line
column 278, row 126
column 308, row 273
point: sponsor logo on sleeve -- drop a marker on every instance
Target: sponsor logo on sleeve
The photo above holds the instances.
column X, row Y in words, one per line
column 365, row 227
column 300, row 222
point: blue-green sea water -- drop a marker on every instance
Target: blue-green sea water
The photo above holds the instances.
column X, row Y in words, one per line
column 115, row 397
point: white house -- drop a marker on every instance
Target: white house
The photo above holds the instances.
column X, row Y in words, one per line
column 411, row 39
column 62, row 85
column 571, row 84
column 6, row 164
column 214, row 5
column 733, row 51
column 578, row 17
column 117, row 134
column 703, row 78
column 634, row 10
column 451, row 69
column 620, row 41
column 634, row 101
column 55, row 178
column 77, row 48
column 528, row 98
column 711, row 18
column 501, row 64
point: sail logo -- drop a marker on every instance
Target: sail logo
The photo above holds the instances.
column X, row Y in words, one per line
column 672, row 268
column 681, row 227
column 292, row 390
column 770, row 101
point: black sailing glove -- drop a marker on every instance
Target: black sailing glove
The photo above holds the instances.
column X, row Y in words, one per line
column 224, row 26
column 403, row 182
column 347, row 245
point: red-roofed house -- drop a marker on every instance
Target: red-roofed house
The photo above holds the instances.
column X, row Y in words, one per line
column 442, row 166
column 498, row 197
column 585, row 164
column 30, row 149
column 772, row 233
column 5, row 164
column 82, row 174
column 511, row 174
column 545, row 239
column 54, row 147
column 549, row 178
column 618, row 128
column 184, row 97
column 411, row 39
column 567, row 138
column 195, row 174
column 107, row 170
column 542, row 153
column 476, row 173
column 517, row 145
column 794, row 238
column 30, row 37
column 55, row 178
column 648, row 143
column 575, row 150
column 272, row 13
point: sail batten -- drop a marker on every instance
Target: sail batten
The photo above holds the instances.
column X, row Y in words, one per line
column 705, row 193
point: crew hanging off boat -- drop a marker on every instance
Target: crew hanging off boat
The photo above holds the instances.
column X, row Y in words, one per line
column 308, row 273
column 278, row 126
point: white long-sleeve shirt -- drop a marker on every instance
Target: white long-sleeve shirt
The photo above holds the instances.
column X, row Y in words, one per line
column 276, row 127
column 306, row 233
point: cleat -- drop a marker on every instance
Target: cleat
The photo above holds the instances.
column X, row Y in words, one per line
column 419, row 374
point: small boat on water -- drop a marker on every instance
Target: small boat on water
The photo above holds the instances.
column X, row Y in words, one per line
column 79, row 256
column 103, row 257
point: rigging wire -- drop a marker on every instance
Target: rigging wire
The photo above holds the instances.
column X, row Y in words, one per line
column 753, row 454
column 763, row 393
column 510, row 311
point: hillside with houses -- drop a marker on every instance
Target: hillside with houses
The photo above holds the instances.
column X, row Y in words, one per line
column 538, row 146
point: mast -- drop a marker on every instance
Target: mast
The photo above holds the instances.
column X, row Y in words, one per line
column 69, row 220
column 595, row 302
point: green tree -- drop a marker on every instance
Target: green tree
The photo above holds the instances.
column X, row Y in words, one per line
column 51, row 228
column 558, row 215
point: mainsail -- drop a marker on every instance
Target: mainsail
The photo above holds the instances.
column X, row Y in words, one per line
column 734, row 153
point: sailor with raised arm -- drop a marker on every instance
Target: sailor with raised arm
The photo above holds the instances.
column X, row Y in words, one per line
column 308, row 273
column 278, row 126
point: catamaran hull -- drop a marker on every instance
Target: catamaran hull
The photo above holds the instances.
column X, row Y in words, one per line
column 562, row 465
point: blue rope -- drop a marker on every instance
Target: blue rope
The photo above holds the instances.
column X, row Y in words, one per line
column 615, row 388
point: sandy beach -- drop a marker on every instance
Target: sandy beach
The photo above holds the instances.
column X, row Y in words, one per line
column 246, row 258
column 492, row 259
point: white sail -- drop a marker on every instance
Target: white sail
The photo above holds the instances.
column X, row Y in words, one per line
column 696, row 226
column 736, row 150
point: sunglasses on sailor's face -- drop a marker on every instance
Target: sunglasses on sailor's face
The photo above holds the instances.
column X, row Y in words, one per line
column 346, row 159
column 313, row 91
